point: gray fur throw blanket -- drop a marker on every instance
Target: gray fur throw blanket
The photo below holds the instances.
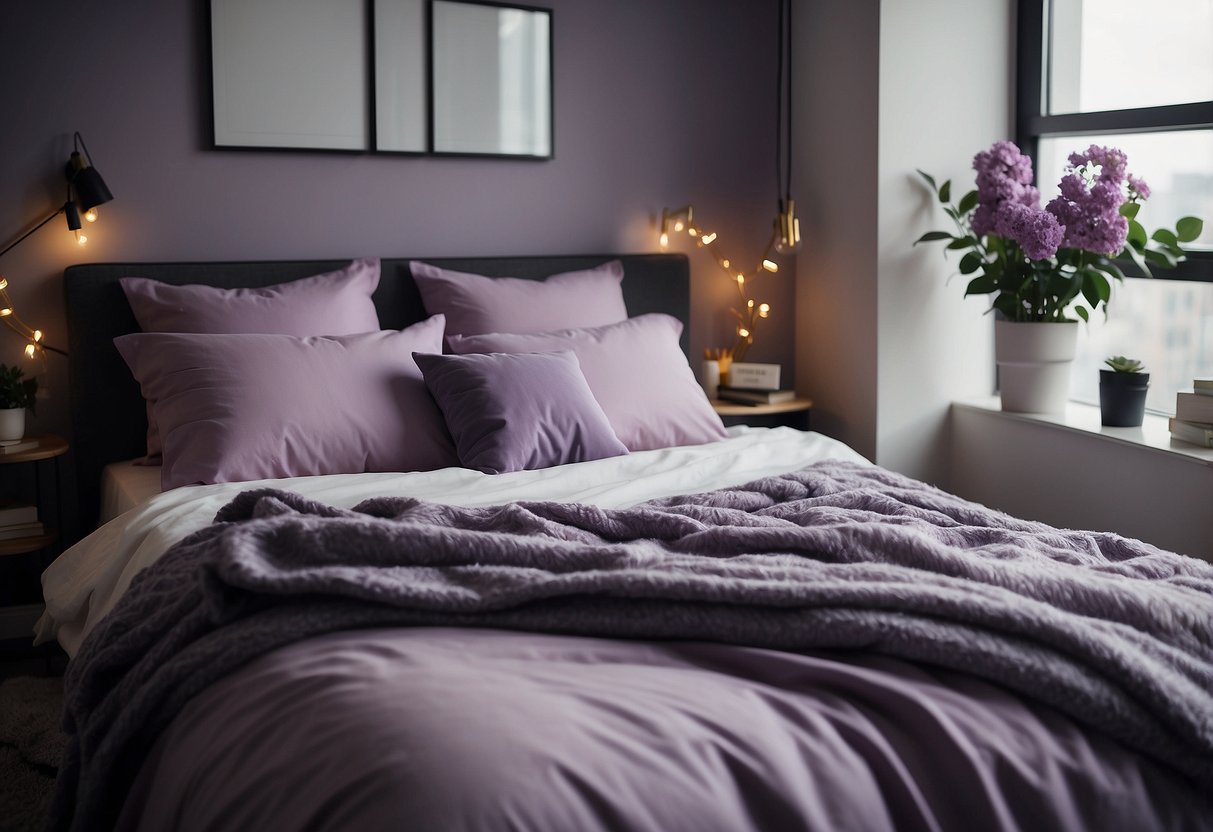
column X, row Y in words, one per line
column 1113, row 632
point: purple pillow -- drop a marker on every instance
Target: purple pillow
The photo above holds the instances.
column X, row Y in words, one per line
column 635, row 370
column 333, row 303
column 474, row 304
column 518, row 412
column 255, row 406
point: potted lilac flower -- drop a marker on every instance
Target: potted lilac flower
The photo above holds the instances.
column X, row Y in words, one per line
column 1043, row 265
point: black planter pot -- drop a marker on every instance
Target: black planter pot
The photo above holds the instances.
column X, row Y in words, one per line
column 1122, row 398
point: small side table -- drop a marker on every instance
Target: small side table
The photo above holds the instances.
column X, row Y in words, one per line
column 17, row 620
column 793, row 414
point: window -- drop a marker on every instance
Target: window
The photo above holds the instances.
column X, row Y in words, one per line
column 1138, row 76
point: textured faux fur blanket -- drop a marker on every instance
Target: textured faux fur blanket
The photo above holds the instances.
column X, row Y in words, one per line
column 1114, row 632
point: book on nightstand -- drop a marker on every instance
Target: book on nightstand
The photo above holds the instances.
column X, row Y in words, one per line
column 17, row 514
column 1197, row 433
column 21, row 530
column 19, row 446
column 1193, row 407
column 1203, row 386
column 741, row 395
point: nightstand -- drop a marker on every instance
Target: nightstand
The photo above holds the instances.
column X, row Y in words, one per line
column 23, row 558
column 793, row 414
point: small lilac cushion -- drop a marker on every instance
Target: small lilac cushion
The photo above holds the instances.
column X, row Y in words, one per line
column 518, row 412
column 254, row 406
column 333, row 303
column 474, row 304
column 636, row 371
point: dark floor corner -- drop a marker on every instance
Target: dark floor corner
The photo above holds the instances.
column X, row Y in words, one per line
column 31, row 743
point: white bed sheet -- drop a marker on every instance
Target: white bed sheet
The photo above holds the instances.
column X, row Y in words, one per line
column 85, row 582
column 125, row 485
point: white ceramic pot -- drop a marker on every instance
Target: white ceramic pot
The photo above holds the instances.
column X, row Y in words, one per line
column 12, row 424
column 1034, row 365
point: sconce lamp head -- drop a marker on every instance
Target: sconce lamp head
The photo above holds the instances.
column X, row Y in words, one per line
column 787, row 228
column 84, row 179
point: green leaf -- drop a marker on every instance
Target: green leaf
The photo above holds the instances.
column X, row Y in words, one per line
column 1130, row 209
column 968, row 202
column 930, row 179
column 1081, row 311
column 931, row 236
column 982, row 285
column 1103, row 289
column 1137, row 235
column 970, row 263
column 1165, row 237
column 945, row 191
column 1189, row 228
column 962, row 242
column 1160, row 258
column 1138, row 261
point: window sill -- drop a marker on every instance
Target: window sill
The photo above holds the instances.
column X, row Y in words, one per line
column 1152, row 436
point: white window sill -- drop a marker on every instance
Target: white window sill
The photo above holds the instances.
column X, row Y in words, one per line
column 1153, row 434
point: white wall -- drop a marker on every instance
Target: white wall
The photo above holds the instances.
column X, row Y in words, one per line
column 884, row 340
column 946, row 81
column 1083, row 481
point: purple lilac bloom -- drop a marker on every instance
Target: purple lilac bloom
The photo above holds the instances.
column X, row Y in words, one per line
column 1004, row 177
column 1092, row 192
column 1037, row 232
column 1138, row 189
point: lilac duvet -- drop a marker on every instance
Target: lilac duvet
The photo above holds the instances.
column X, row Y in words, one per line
column 938, row 665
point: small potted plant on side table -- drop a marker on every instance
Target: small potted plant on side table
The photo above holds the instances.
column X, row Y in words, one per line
column 16, row 395
column 1122, row 392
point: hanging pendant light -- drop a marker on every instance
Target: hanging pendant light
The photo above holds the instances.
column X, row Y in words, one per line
column 787, row 224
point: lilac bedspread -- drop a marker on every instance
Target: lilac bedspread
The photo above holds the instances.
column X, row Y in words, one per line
column 1113, row 633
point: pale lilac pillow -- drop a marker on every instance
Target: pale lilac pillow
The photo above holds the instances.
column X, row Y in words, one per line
column 518, row 412
column 254, row 406
column 636, row 371
column 474, row 304
column 333, row 303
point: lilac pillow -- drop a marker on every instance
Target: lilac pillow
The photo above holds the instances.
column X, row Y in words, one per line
column 253, row 406
column 333, row 303
column 518, row 412
column 474, row 304
column 636, row 371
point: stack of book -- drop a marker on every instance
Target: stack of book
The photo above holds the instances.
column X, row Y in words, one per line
column 19, row 520
column 1193, row 420
column 754, row 384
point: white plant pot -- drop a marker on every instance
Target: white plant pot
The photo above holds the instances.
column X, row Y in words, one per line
column 1034, row 365
column 12, row 424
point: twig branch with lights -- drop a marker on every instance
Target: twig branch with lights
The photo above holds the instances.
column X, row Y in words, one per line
column 785, row 236
column 85, row 191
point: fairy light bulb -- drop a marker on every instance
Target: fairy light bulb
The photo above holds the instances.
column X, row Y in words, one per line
column 30, row 350
column 6, row 311
column 743, row 332
column 770, row 266
column 37, row 335
column 665, row 241
column 741, row 280
column 678, row 225
column 724, row 264
column 764, row 309
column 693, row 231
column 708, row 239
column 749, row 304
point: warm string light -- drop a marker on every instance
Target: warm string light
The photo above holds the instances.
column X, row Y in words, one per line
column 750, row 313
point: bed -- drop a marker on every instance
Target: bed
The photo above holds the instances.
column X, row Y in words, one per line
column 762, row 631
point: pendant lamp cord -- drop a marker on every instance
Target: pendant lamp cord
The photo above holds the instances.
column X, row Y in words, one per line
column 783, row 95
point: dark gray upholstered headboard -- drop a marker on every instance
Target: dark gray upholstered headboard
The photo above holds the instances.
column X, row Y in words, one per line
column 108, row 417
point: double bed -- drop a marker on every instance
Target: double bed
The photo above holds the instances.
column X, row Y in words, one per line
column 761, row 631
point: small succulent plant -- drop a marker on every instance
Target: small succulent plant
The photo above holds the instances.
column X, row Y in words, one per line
column 1124, row 365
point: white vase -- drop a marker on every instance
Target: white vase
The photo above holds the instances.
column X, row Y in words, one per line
column 1034, row 365
column 12, row 425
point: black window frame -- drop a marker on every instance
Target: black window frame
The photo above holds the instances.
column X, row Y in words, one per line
column 1033, row 122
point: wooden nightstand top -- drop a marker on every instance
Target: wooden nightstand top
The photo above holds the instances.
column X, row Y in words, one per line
column 49, row 446
column 737, row 409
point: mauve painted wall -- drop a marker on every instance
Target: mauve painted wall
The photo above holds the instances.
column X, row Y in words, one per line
column 657, row 102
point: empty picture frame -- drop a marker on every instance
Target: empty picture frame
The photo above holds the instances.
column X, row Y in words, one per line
column 290, row 74
column 401, row 111
column 490, row 79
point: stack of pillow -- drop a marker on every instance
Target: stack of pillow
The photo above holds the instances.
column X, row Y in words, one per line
column 297, row 379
